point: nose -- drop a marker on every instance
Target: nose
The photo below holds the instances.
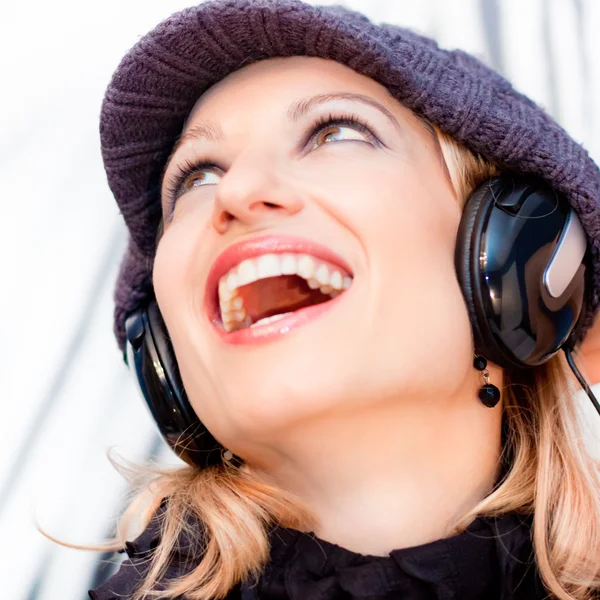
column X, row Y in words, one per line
column 254, row 191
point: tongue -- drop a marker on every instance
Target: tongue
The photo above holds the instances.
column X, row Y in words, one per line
column 278, row 295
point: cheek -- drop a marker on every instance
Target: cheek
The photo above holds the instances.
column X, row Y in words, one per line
column 171, row 265
column 406, row 218
column 178, row 275
column 181, row 255
column 388, row 201
column 178, row 287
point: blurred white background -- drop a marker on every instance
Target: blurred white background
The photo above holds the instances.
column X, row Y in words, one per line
column 66, row 393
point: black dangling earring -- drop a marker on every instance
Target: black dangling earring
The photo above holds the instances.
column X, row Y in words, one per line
column 489, row 394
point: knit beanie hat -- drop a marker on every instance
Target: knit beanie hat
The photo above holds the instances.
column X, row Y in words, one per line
column 159, row 80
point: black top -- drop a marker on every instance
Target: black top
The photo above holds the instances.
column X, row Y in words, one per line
column 491, row 560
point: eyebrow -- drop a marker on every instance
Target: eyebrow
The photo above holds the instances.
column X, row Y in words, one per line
column 212, row 132
column 299, row 108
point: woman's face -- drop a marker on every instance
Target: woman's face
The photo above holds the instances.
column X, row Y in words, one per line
column 307, row 147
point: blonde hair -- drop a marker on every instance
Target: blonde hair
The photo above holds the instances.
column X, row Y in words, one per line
column 550, row 475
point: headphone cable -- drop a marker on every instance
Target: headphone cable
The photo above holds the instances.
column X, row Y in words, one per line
column 582, row 381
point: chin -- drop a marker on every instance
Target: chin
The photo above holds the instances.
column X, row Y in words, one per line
column 273, row 401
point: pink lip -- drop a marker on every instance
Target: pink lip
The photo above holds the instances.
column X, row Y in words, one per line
column 276, row 244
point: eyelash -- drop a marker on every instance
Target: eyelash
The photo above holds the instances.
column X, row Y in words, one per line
column 188, row 167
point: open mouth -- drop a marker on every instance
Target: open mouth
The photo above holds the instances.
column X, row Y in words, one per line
column 266, row 288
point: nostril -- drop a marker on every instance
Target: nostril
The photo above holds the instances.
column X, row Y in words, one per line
column 221, row 220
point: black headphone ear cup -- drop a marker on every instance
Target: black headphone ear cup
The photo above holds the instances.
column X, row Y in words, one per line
column 519, row 262
column 151, row 354
column 164, row 348
column 463, row 261
column 168, row 362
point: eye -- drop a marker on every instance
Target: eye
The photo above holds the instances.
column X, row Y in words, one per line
column 336, row 133
column 341, row 128
column 199, row 178
column 190, row 175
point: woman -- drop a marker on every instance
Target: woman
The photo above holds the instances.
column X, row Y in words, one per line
column 295, row 181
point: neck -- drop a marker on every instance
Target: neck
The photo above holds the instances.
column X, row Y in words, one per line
column 393, row 477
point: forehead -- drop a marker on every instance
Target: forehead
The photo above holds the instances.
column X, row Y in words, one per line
column 277, row 80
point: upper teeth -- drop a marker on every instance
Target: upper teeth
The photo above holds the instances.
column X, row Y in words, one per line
column 328, row 278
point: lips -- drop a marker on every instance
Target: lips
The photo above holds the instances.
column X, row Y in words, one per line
column 275, row 244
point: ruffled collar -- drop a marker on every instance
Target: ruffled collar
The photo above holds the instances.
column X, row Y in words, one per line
column 492, row 560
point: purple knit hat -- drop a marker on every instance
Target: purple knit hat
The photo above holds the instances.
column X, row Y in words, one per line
column 162, row 76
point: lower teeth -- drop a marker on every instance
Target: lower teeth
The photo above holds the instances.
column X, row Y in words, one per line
column 270, row 319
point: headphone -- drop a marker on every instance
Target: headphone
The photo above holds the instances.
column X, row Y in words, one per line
column 521, row 259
